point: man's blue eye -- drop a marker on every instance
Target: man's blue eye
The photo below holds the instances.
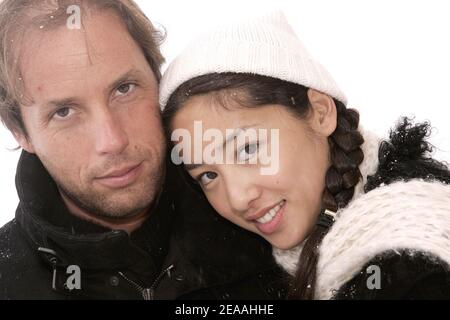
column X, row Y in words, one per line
column 125, row 88
column 63, row 112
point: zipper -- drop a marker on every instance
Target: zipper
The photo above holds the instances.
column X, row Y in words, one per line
column 148, row 293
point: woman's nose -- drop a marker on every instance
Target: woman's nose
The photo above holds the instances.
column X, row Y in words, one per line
column 242, row 192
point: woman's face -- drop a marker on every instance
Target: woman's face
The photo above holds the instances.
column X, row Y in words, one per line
column 281, row 206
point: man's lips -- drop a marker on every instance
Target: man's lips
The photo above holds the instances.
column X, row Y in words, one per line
column 118, row 172
column 119, row 178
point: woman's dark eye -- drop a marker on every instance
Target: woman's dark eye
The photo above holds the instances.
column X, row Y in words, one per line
column 248, row 151
column 251, row 148
column 207, row 177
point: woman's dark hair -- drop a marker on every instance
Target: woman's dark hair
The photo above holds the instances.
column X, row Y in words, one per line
column 250, row 90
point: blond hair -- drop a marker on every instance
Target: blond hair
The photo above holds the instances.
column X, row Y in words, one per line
column 18, row 16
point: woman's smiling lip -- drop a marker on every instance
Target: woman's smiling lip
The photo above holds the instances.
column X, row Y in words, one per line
column 121, row 177
column 261, row 213
column 275, row 220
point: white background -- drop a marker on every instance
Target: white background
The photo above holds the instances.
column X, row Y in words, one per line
column 391, row 58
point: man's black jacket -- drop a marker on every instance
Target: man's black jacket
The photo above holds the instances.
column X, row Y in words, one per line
column 183, row 251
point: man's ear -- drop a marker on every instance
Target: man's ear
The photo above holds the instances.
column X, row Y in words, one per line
column 323, row 119
column 23, row 141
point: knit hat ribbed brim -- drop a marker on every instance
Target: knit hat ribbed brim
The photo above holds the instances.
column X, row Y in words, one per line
column 265, row 45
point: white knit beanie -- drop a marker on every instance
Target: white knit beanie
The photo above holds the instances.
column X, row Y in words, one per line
column 265, row 45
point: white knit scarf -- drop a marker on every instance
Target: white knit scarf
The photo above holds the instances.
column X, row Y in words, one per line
column 413, row 216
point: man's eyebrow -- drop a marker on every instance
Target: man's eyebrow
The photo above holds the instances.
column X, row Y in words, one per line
column 133, row 73
column 61, row 102
column 73, row 100
column 232, row 136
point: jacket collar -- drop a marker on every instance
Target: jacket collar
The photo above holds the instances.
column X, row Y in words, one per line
column 204, row 248
column 47, row 223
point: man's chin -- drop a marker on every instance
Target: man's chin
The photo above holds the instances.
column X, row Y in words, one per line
column 123, row 215
column 114, row 207
column 123, row 208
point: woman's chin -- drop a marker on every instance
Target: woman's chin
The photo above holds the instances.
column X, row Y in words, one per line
column 284, row 245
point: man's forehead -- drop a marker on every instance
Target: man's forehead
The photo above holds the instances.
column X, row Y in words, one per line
column 64, row 60
column 102, row 40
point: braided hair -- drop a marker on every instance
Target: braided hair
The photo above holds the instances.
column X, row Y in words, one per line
column 345, row 152
column 340, row 181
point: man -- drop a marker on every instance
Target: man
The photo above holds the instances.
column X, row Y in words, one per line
column 79, row 91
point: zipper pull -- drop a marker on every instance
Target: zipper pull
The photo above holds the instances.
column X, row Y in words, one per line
column 53, row 260
column 148, row 293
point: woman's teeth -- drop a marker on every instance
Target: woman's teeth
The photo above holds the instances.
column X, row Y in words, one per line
column 272, row 213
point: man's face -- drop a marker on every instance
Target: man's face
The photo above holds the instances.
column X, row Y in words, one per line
column 93, row 118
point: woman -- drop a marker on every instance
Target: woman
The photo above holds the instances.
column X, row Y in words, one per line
column 348, row 215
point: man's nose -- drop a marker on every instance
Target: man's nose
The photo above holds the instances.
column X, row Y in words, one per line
column 242, row 192
column 110, row 136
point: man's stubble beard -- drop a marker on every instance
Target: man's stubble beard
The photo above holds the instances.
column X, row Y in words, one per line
column 134, row 199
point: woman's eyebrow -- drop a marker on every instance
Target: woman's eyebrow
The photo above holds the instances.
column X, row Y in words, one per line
column 192, row 166
column 229, row 138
